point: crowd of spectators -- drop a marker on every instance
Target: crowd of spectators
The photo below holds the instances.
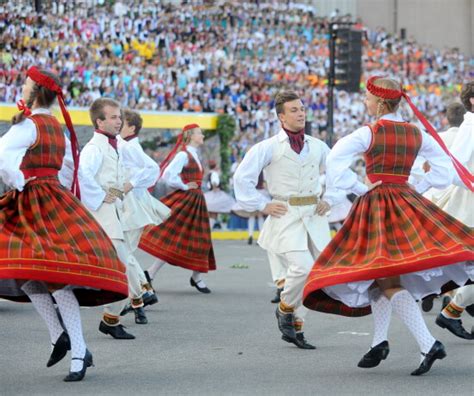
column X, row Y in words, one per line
column 219, row 56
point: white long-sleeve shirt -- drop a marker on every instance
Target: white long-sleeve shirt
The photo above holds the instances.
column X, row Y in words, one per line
column 257, row 159
column 171, row 175
column 142, row 171
column 13, row 147
column 92, row 194
column 340, row 176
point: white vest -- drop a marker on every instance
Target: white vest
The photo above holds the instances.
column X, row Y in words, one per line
column 289, row 175
column 110, row 175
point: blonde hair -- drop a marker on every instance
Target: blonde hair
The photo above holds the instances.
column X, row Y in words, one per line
column 390, row 104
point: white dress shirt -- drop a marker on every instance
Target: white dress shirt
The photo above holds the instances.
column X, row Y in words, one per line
column 256, row 159
column 339, row 176
column 142, row 171
column 13, row 147
column 171, row 175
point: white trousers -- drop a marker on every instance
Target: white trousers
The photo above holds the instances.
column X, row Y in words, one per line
column 299, row 264
column 132, row 238
column 278, row 266
column 464, row 296
column 134, row 286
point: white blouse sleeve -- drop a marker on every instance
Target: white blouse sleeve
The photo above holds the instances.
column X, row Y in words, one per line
column 13, row 146
column 92, row 194
column 145, row 170
column 339, row 175
column 247, row 173
column 441, row 170
column 66, row 173
column 173, row 170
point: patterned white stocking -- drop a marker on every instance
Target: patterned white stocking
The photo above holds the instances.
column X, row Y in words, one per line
column 407, row 309
column 382, row 313
column 43, row 303
column 69, row 309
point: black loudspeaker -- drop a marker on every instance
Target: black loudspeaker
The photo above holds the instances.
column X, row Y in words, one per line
column 403, row 33
column 307, row 128
column 38, row 5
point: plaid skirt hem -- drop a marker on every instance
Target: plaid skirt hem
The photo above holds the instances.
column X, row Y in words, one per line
column 177, row 259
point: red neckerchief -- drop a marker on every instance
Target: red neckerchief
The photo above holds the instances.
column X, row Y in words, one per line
column 128, row 138
column 111, row 138
column 296, row 140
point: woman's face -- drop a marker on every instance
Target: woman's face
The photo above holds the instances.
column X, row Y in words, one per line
column 27, row 89
column 197, row 137
column 371, row 102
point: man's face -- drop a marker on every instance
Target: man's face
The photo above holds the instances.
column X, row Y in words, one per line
column 112, row 122
column 293, row 117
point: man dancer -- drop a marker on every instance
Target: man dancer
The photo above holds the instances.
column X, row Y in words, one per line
column 103, row 187
column 296, row 227
column 457, row 201
column 140, row 208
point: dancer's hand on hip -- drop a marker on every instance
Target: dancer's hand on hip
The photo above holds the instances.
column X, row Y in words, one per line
column 322, row 208
column 275, row 209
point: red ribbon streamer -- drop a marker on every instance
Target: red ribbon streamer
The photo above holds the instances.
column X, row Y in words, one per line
column 386, row 93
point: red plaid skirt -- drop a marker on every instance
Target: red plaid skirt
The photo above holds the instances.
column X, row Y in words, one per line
column 184, row 239
column 390, row 231
column 47, row 235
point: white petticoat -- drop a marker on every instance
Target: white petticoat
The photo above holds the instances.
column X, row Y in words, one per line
column 419, row 284
column 219, row 201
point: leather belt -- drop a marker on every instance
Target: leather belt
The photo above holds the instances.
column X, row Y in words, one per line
column 299, row 201
column 116, row 193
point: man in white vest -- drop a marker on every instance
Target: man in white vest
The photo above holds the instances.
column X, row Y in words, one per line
column 103, row 188
column 458, row 202
column 296, row 227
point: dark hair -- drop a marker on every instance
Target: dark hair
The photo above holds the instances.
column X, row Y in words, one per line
column 133, row 118
column 96, row 111
column 283, row 97
column 455, row 114
column 43, row 96
column 467, row 93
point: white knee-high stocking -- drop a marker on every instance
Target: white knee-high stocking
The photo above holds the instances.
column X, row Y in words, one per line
column 407, row 309
column 43, row 303
column 69, row 309
column 382, row 313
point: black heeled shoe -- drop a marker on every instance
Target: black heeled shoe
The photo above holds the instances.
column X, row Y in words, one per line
column 75, row 376
column 63, row 344
column 204, row 290
column 375, row 355
column 437, row 351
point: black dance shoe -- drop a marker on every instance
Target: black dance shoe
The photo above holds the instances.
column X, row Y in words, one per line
column 286, row 325
column 454, row 326
column 149, row 298
column 427, row 304
column 299, row 341
column 437, row 351
column 204, row 290
column 116, row 332
column 277, row 297
column 140, row 317
column 75, row 376
column 63, row 344
column 375, row 355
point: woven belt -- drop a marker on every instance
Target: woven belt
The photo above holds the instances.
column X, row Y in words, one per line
column 116, row 193
column 299, row 201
